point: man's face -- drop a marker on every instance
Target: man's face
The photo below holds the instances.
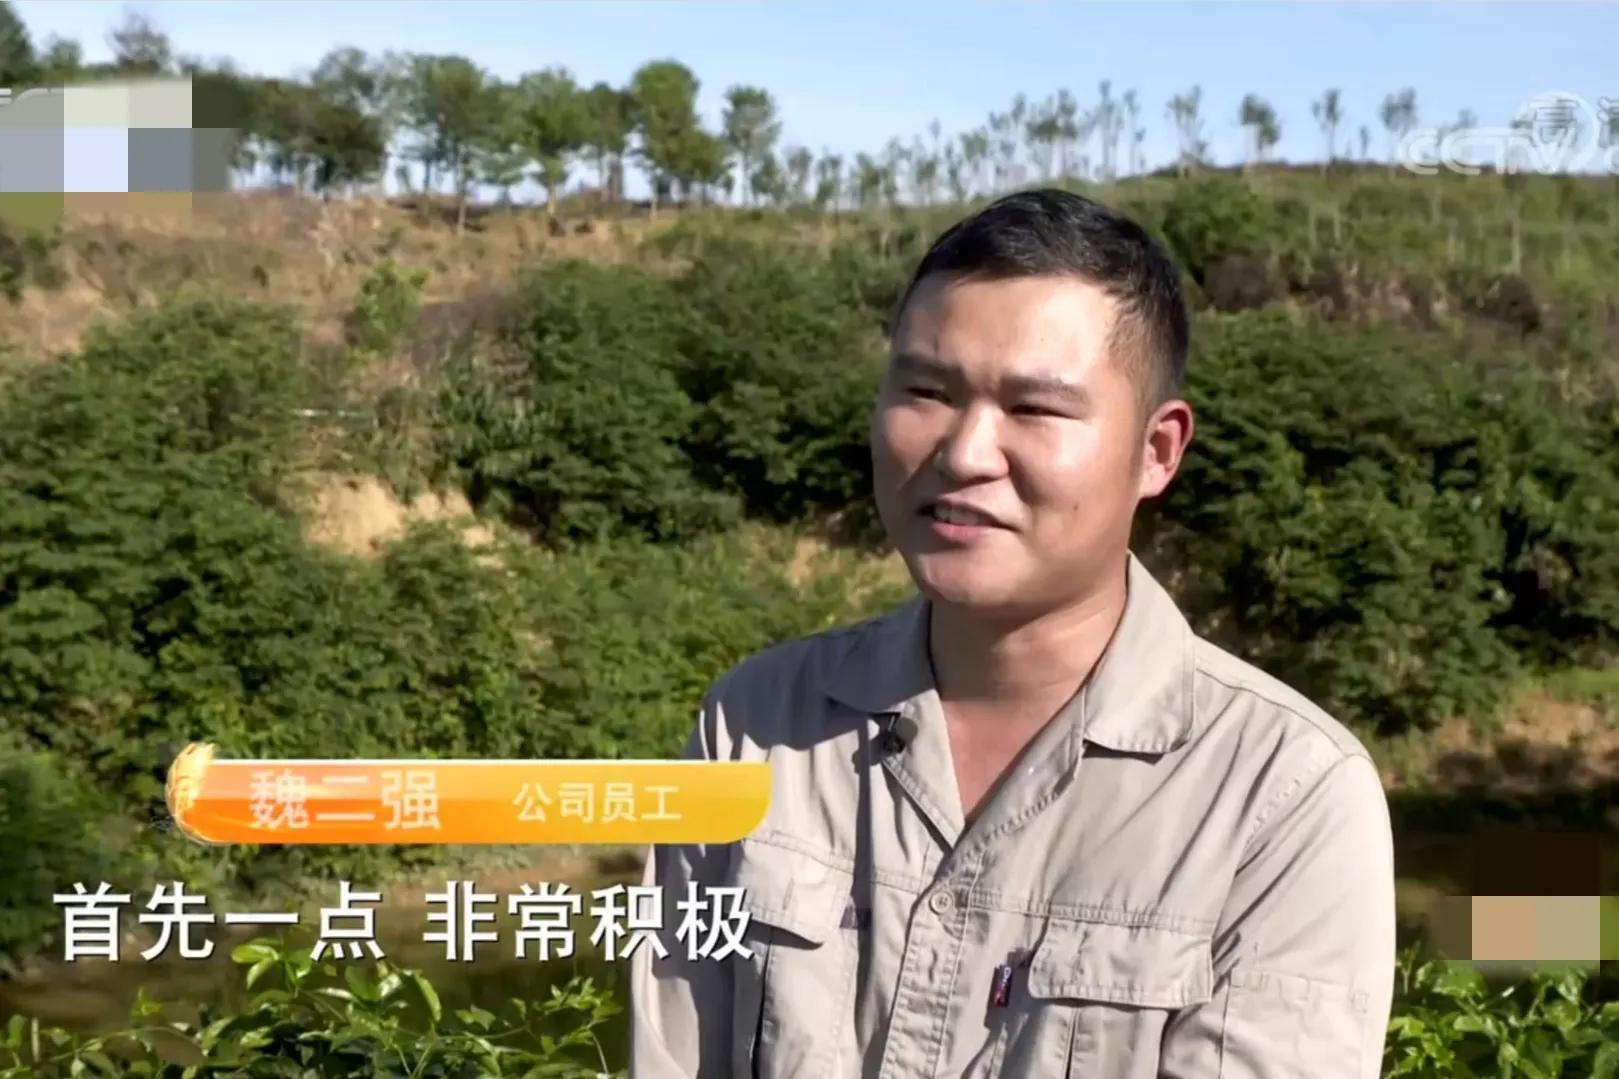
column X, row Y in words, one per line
column 1009, row 447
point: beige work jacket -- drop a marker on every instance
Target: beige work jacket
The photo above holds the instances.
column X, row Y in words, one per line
column 1189, row 874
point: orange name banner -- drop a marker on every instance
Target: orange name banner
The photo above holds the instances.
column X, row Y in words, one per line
column 464, row 801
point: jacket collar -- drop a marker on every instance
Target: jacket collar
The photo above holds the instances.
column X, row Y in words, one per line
column 1138, row 699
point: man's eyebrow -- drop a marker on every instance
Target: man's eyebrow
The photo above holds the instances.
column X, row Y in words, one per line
column 1032, row 385
column 912, row 363
column 1047, row 386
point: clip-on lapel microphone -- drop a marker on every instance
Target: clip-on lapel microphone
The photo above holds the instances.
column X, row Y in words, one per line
column 898, row 731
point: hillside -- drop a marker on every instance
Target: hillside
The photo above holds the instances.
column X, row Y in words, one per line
column 406, row 299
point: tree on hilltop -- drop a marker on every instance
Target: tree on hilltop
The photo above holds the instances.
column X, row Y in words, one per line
column 17, row 62
column 551, row 124
column 664, row 93
column 139, row 47
column 751, row 127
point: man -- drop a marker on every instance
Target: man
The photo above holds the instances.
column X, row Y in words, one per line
column 1030, row 824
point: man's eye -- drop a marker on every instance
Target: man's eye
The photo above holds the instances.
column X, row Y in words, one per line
column 925, row 392
column 1033, row 410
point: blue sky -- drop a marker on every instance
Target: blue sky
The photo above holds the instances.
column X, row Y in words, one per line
column 848, row 75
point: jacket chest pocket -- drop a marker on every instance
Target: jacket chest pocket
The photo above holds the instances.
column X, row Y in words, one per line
column 793, row 1001
column 1097, row 997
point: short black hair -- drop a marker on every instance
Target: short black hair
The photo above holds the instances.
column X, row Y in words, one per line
column 1050, row 232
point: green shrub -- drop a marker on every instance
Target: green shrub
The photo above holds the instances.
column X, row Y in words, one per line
column 578, row 434
column 55, row 828
column 703, row 233
column 156, row 588
column 28, row 257
column 376, row 1019
column 305, row 1019
column 1506, row 298
column 143, row 477
column 1213, row 218
column 1382, row 200
column 1385, row 524
column 631, row 405
column 638, row 632
column 390, row 297
column 869, row 281
column 1242, row 283
column 784, row 374
column 1448, row 1021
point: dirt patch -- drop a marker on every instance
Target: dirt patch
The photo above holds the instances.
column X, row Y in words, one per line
column 807, row 553
column 313, row 255
column 815, row 557
column 326, row 332
column 1543, row 743
column 121, row 253
column 45, row 324
column 360, row 515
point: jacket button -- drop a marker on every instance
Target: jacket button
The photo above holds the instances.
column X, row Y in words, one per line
column 939, row 902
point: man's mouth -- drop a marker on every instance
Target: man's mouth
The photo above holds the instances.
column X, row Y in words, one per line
column 952, row 514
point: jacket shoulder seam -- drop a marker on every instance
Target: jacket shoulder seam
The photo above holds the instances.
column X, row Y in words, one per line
column 1319, row 769
column 1315, row 722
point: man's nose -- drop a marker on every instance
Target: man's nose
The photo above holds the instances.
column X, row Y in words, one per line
column 971, row 449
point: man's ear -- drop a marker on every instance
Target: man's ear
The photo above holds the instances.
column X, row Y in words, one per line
column 1168, row 432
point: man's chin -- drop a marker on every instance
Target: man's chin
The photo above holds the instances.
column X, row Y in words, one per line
column 978, row 590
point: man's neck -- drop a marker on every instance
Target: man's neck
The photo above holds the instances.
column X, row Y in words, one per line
column 1024, row 661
